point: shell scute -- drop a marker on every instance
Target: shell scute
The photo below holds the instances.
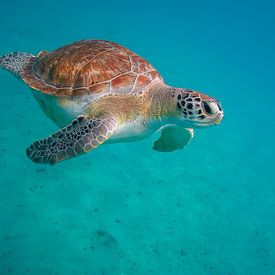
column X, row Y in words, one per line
column 123, row 82
column 100, row 87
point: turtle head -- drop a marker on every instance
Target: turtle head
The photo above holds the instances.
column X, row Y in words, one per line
column 196, row 109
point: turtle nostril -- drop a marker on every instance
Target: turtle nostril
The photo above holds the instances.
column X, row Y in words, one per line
column 220, row 107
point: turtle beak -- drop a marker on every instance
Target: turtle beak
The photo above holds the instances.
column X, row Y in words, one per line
column 218, row 118
column 211, row 121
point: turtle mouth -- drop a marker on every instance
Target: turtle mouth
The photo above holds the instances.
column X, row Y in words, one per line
column 218, row 118
column 210, row 121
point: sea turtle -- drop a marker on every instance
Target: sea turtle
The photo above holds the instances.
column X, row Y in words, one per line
column 99, row 92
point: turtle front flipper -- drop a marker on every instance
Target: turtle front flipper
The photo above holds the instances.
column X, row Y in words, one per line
column 173, row 138
column 81, row 136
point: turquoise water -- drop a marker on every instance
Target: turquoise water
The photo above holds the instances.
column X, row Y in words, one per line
column 124, row 208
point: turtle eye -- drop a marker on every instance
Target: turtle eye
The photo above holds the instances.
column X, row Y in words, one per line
column 210, row 107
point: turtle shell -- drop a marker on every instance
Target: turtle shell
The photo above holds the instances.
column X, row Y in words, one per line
column 89, row 66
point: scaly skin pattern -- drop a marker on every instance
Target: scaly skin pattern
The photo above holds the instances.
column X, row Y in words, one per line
column 154, row 103
column 138, row 116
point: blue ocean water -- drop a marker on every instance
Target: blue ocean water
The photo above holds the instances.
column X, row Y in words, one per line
column 124, row 208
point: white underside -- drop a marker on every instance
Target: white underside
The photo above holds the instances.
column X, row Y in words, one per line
column 60, row 110
column 63, row 110
column 135, row 130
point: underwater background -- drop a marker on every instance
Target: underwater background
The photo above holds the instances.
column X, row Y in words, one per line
column 124, row 208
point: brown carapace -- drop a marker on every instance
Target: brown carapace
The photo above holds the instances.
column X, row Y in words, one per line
column 89, row 66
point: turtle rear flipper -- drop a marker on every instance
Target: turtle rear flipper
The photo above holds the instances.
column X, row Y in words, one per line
column 173, row 138
column 14, row 62
column 81, row 136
